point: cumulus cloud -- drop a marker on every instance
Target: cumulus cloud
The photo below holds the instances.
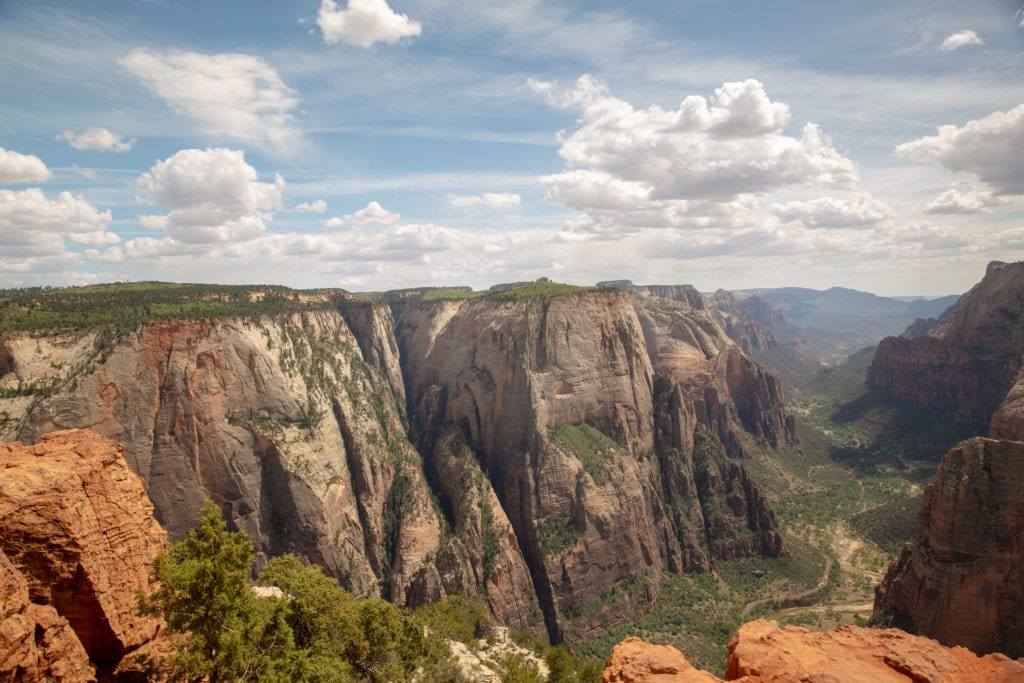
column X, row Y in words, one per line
column 334, row 222
column 856, row 210
column 22, row 168
column 235, row 96
column 363, row 23
column 631, row 168
column 316, row 206
column 99, row 139
column 970, row 200
column 373, row 214
column 491, row 200
column 213, row 195
column 992, row 148
column 960, row 39
column 34, row 226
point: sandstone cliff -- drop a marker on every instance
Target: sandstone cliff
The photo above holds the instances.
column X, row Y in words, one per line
column 582, row 413
column 962, row 580
column 280, row 419
column 742, row 327
column 760, row 652
column 967, row 362
column 76, row 544
column 551, row 454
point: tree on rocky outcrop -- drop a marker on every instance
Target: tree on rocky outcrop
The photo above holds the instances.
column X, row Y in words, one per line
column 310, row 629
column 232, row 634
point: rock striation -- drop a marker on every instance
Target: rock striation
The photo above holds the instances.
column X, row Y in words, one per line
column 78, row 539
column 969, row 360
column 761, row 652
column 740, row 320
column 961, row 582
column 36, row 643
column 598, row 420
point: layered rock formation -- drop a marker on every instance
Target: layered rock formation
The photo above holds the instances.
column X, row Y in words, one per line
column 551, row 454
column 760, row 652
column 77, row 542
column 962, row 580
column 743, row 327
column 968, row 361
column 582, row 412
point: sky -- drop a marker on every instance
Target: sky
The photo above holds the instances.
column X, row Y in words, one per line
column 381, row 144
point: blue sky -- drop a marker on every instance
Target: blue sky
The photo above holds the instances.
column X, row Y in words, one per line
column 370, row 145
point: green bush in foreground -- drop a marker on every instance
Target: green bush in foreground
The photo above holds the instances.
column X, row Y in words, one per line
column 315, row 631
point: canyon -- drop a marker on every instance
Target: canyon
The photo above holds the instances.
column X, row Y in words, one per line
column 554, row 455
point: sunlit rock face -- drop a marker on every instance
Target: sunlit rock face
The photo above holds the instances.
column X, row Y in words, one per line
column 552, row 455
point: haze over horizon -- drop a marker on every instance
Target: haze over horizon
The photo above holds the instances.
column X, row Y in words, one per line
column 375, row 144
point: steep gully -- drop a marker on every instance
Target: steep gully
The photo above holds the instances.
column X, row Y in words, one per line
column 554, row 455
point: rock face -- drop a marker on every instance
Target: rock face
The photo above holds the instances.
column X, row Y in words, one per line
column 741, row 326
column 79, row 538
column 962, row 580
column 36, row 643
column 596, row 419
column 760, row 652
column 553, row 455
column 969, row 360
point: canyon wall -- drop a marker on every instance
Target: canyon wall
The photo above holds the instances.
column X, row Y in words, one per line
column 962, row 580
column 553, row 455
column 967, row 362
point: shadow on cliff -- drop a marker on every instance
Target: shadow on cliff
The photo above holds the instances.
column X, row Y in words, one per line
column 896, row 433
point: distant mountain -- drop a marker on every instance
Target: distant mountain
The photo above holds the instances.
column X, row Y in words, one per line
column 830, row 324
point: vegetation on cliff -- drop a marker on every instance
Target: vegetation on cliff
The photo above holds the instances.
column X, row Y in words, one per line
column 126, row 305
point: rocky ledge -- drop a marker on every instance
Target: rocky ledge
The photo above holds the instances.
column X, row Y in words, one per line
column 77, row 540
column 761, row 652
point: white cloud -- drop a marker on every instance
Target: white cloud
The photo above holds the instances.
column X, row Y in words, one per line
column 316, row 206
column 235, row 96
column 363, row 23
column 334, row 222
column 213, row 194
column 99, row 139
column 373, row 214
column 961, row 39
column 22, row 168
column 34, row 226
column 699, row 165
column 855, row 210
column 992, row 148
column 970, row 200
column 84, row 172
column 491, row 200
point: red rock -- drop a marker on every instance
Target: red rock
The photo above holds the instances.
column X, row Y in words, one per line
column 969, row 360
column 36, row 643
column 962, row 581
column 761, row 652
column 636, row 661
column 78, row 525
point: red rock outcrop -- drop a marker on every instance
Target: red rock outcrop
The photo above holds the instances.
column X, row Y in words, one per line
column 761, row 652
column 36, row 643
column 962, row 580
column 969, row 360
column 78, row 525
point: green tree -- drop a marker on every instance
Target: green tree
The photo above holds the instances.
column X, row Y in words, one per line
column 231, row 634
